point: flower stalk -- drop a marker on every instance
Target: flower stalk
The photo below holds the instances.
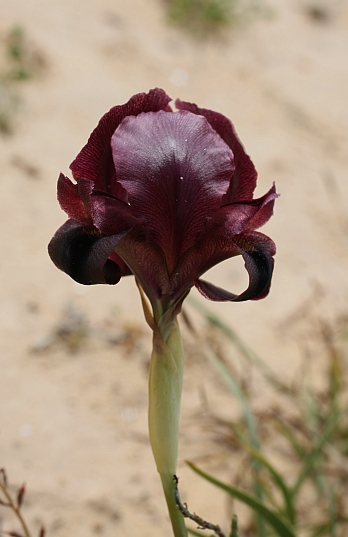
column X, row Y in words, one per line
column 165, row 386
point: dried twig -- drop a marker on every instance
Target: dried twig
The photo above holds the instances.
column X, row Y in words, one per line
column 15, row 505
column 202, row 524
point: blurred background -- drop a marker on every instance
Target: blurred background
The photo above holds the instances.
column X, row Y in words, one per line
column 73, row 381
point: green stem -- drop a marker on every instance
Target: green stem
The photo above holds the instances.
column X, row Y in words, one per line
column 165, row 386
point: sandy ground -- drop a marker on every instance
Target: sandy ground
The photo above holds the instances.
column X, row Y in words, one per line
column 73, row 425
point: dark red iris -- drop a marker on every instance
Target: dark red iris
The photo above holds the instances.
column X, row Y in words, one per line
column 165, row 196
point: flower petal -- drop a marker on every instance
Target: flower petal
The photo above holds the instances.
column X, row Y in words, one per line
column 237, row 218
column 205, row 254
column 94, row 162
column 243, row 182
column 83, row 256
column 147, row 262
column 110, row 215
column 71, row 202
column 93, row 208
column 257, row 250
column 175, row 169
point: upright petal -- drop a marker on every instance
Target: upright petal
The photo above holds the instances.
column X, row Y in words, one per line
column 243, row 183
column 94, row 209
column 94, row 162
column 175, row 169
column 71, row 202
column 239, row 217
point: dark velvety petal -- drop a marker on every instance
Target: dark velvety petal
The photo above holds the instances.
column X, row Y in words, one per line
column 71, row 202
column 175, row 169
column 83, row 256
column 125, row 270
column 257, row 251
column 94, row 162
column 244, row 179
column 237, row 218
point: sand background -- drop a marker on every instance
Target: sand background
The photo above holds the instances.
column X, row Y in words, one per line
column 73, row 425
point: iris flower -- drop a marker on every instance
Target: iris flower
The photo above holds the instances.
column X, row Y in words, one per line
column 164, row 195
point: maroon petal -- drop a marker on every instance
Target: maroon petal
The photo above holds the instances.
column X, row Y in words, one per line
column 110, row 215
column 244, row 179
column 83, row 256
column 147, row 262
column 205, row 254
column 237, row 218
column 93, row 208
column 264, row 211
column 125, row 270
column 257, row 250
column 71, row 202
column 94, row 162
column 175, row 169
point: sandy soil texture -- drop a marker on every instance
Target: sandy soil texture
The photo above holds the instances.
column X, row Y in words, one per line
column 73, row 424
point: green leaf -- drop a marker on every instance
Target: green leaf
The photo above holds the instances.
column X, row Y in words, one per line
column 324, row 527
column 250, row 423
column 239, row 394
column 287, row 432
column 196, row 533
column 242, row 347
column 278, row 480
column 311, row 458
column 279, row 524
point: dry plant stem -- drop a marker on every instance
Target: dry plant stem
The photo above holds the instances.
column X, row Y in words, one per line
column 165, row 386
column 203, row 524
column 12, row 505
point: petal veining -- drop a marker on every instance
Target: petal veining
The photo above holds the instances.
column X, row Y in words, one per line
column 176, row 169
column 244, row 178
column 70, row 201
column 94, row 162
column 235, row 218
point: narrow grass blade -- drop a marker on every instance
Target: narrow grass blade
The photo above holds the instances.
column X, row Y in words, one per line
column 312, row 457
column 279, row 524
column 287, row 432
column 324, row 528
column 250, row 423
column 239, row 394
column 196, row 533
column 244, row 350
column 278, row 480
